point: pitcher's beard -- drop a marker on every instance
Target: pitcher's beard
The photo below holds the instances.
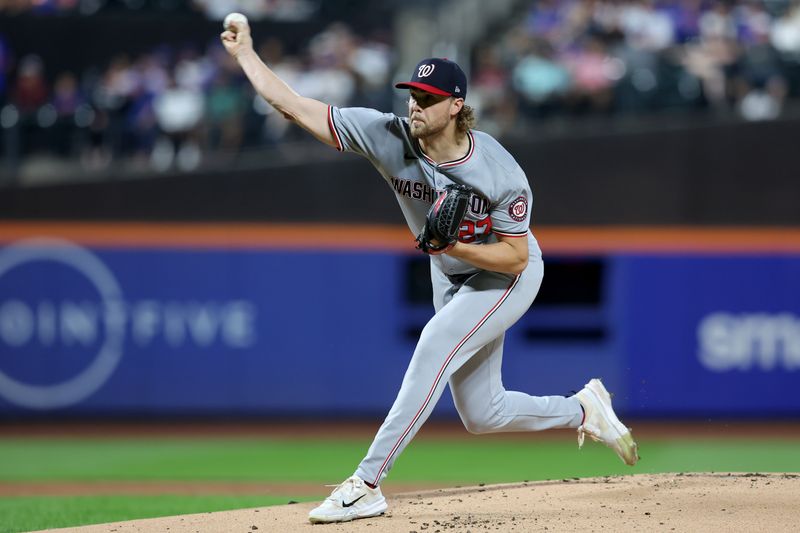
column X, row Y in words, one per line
column 421, row 130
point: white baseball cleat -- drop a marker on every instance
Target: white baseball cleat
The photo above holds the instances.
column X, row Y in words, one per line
column 602, row 425
column 350, row 500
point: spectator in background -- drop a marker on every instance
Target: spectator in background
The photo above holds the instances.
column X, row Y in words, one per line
column 151, row 72
column 225, row 114
column 645, row 27
column 540, row 80
column 685, row 16
column 30, row 90
column 489, row 94
column 593, row 72
column 28, row 95
column 752, row 22
column 547, row 20
column 785, row 38
column 178, row 112
column 785, row 32
column 66, row 100
column 489, row 77
column 370, row 61
column 709, row 60
column 761, row 86
column 718, row 22
column 142, row 128
column 66, row 95
column 94, row 153
column 193, row 69
column 328, row 77
column 112, row 98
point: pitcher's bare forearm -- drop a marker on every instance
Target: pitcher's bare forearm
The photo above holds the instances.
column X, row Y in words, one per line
column 310, row 114
column 509, row 256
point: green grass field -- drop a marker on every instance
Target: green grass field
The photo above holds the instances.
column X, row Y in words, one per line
column 39, row 512
column 470, row 460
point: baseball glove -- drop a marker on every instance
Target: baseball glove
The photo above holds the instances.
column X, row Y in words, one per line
column 440, row 232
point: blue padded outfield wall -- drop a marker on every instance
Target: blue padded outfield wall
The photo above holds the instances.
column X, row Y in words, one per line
column 715, row 335
column 140, row 331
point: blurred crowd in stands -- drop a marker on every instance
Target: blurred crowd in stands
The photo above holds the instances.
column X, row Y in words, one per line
column 285, row 10
column 564, row 58
column 168, row 107
column 578, row 57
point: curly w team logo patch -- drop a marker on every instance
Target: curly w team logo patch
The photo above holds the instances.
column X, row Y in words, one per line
column 518, row 209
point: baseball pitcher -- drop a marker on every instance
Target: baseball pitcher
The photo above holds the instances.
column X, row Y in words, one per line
column 469, row 204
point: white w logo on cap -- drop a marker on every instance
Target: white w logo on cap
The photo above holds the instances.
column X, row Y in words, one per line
column 425, row 70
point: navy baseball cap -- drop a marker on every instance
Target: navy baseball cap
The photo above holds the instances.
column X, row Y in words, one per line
column 438, row 76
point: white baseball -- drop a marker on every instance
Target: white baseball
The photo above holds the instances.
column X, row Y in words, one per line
column 234, row 17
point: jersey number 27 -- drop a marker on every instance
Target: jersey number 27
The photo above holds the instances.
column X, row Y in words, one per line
column 470, row 231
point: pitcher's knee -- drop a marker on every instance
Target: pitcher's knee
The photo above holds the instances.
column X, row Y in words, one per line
column 478, row 427
column 480, row 418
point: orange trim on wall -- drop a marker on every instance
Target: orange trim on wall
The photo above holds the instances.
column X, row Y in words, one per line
column 215, row 235
column 553, row 239
column 669, row 239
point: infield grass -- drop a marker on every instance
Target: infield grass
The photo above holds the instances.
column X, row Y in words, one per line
column 39, row 512
column 466, row 461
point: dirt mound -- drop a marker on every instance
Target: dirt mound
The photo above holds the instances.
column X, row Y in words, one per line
column 664, row 502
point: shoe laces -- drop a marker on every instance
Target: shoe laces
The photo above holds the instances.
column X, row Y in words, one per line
column 584, row 430
column 345, row 488
column 581, row 436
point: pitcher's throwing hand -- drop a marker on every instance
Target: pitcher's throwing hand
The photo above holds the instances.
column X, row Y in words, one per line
column 236, row 37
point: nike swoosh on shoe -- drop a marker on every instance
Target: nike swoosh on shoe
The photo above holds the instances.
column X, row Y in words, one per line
column 352, row 502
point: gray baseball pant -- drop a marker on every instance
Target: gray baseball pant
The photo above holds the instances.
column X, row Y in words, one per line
column 463, row 345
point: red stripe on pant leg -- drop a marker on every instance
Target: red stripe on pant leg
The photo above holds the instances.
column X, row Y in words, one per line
column 439, row 376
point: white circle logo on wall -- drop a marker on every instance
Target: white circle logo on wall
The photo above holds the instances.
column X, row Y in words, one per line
column 109, row 353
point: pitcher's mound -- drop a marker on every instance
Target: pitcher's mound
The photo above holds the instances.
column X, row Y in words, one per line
column 663, row 502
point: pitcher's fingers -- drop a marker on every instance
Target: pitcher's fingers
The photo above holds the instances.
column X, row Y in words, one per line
column 237, row 26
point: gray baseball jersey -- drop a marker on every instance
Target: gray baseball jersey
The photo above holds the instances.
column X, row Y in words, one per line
column 463, row 343
column 502, row 200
